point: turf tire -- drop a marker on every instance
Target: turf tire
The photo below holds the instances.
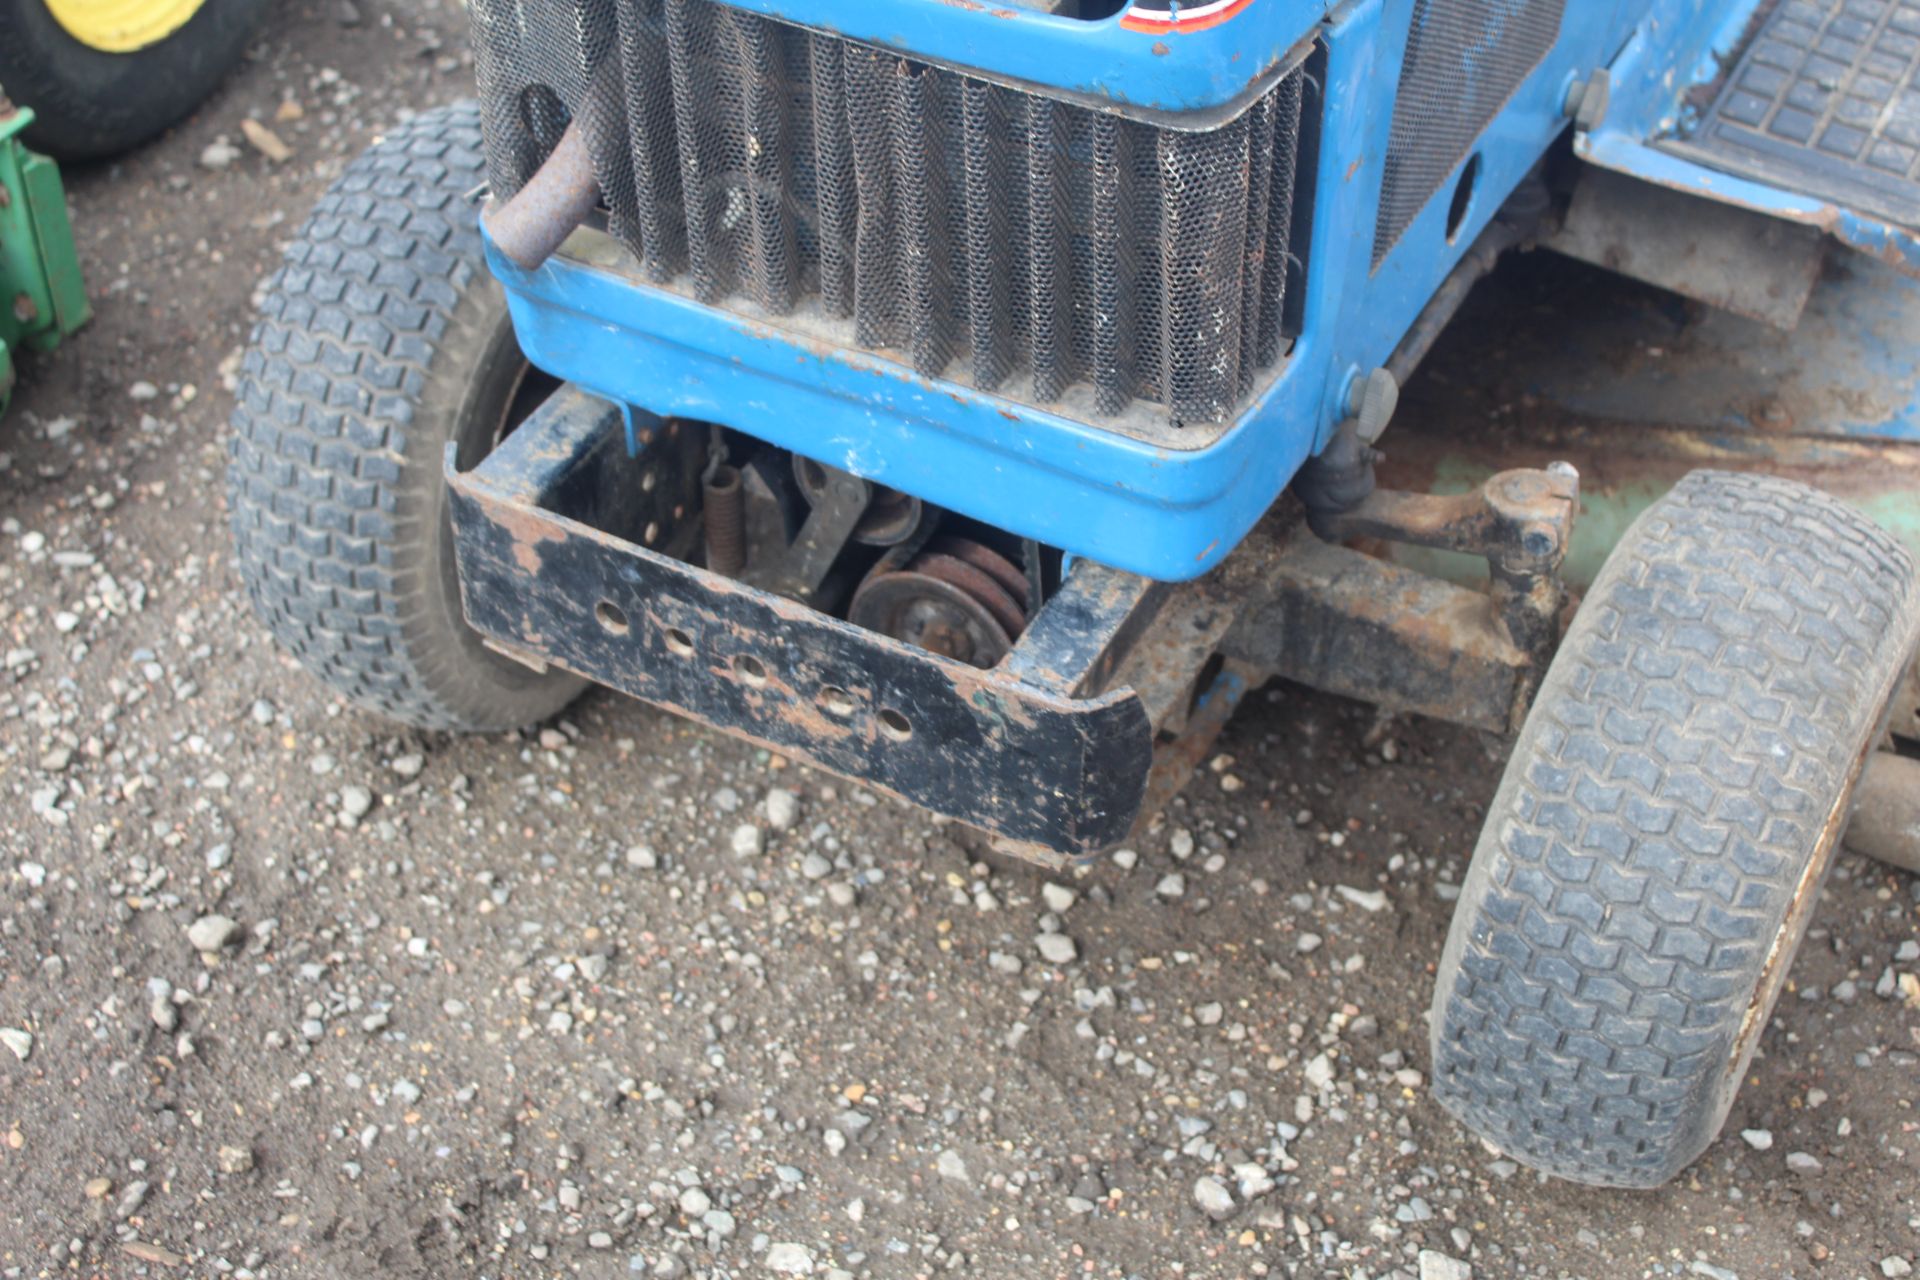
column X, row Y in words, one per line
column 1652, row 857
column 381, row 338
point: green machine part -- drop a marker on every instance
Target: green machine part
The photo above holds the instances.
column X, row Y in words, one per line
column 42, row 298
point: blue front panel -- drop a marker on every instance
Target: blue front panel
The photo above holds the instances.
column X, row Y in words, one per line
column 1137, row 57
column 1163, row 512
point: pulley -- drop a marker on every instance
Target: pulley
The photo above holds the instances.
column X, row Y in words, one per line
column 957, row 597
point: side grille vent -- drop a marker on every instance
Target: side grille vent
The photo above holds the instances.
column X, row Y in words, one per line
column 1464, row 60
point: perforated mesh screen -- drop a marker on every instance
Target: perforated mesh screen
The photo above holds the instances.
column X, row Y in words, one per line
column 1025, row 245
column 1464, row 60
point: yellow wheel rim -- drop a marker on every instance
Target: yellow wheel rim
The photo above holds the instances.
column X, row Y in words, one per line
column 122, row 26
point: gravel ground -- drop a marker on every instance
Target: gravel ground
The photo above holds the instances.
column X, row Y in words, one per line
column 289, row 992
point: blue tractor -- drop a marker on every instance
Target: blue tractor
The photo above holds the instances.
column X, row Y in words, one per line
column 975, row 399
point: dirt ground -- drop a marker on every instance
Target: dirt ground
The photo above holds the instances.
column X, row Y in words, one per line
column 515, row 1006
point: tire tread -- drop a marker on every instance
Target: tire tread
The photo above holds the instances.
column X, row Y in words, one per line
column 354, row 361
column 1710, row 704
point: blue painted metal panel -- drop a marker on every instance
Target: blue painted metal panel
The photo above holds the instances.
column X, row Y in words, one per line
column 1162, row 512
column 1672, row 46
column 1182, row 69
column 1628, row 154
column 1681, row 44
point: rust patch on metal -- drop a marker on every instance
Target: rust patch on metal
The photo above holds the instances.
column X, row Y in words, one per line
column 528, row 532
column 1347, row 623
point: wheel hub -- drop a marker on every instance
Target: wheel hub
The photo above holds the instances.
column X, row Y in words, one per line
column 122, row 26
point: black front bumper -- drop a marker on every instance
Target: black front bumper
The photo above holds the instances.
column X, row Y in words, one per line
column 566, row 549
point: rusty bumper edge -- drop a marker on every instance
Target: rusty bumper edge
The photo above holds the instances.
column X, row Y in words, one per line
column 1030, row 763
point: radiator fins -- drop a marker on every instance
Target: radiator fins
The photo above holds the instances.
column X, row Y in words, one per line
column 1043, row 250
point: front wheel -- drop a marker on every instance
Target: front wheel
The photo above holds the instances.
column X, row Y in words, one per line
column 1652, row 858
column 106, row 75
column 381, row 340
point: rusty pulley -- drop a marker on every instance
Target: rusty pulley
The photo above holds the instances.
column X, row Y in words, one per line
column 957, row 598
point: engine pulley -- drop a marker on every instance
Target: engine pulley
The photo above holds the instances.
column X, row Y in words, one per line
column 957, row 597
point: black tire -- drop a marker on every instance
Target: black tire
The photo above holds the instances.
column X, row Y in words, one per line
column 382, row 338
column 1654, row 852
column 89, row 103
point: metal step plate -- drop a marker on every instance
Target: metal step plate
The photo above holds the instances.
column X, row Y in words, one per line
column 1825, row 101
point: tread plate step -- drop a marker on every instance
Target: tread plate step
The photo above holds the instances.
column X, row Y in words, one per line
column 1825, row 101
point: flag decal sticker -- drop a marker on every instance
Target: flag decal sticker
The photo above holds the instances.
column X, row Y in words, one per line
column 1181, row 15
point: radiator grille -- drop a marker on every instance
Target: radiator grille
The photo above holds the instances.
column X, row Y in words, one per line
column 1028, row 246
column 1464, row 60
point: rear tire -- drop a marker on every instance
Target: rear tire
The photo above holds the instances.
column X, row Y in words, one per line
column 382, row 339
column 89, row 102
column 1655, row 850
